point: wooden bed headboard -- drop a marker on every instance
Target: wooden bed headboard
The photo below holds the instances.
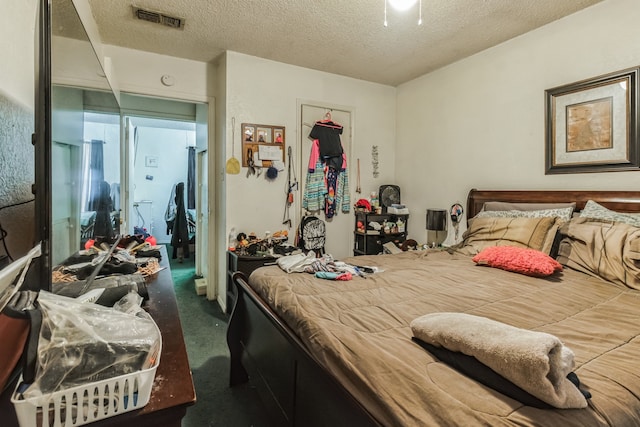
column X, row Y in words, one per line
column 620, row 201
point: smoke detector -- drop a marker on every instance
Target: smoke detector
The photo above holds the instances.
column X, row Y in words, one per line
column 158, row 18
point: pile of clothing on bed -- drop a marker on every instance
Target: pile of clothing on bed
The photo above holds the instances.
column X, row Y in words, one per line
column 324, row 267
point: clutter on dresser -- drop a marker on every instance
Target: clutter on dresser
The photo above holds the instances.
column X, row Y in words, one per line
column 375, row 232
column 126, row 261
column 269, row 244
column 78, row 348
column 398, row 208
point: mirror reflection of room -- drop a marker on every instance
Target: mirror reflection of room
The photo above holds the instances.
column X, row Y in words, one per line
column 86, row 164
column 100, row 203
column 85, row 149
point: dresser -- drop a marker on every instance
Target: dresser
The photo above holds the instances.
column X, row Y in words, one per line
column 173, row 390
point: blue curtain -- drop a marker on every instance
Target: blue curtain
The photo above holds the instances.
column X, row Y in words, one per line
column 96, row 174
column 191, row 179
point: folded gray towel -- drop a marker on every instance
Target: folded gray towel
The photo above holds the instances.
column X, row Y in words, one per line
column 535, row 361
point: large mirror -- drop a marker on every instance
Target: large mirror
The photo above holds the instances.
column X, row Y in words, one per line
column 85, row 134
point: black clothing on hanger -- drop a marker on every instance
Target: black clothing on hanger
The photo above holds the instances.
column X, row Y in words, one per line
column 328, row 135
column 180, row 237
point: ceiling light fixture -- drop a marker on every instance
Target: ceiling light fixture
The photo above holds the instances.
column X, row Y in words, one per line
column 403, row 5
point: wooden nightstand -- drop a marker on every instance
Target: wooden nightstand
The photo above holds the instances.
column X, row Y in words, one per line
column 245, row 264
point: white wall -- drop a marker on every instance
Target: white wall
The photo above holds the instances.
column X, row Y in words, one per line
column 480, row 123
column 17, row 23
column 141, row 72
column 267, row 92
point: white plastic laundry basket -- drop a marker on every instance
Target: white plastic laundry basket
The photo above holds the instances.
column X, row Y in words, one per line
column 84, row 404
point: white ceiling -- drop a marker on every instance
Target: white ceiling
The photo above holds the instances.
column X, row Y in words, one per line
column 345, row 37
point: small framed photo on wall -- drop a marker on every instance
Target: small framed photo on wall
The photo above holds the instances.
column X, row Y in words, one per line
column 264, row 135
column 248, row 133
column 278, row 135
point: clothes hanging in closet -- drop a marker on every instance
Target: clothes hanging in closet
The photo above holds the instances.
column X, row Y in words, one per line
column 103, row 207
column 180, row 236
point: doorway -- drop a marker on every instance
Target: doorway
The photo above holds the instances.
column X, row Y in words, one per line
column 339, row 228
column 163, row 140
column 162, row 154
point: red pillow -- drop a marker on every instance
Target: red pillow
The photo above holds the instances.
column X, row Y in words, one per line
column 520, row 260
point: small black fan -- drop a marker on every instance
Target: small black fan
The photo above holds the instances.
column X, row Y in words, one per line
column 389, row 195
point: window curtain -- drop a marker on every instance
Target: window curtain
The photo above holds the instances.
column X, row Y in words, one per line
column 96, row 174
column 191, row 179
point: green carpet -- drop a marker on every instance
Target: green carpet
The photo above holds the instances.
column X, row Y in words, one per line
column 204, row 326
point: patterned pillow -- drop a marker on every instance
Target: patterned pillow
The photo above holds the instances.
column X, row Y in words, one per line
column 562, row 213
column 534, row 233
column 508, row 206
column 597, row 211
column 526, row 261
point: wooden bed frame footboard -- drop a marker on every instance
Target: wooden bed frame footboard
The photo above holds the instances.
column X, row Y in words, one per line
column 296, row 389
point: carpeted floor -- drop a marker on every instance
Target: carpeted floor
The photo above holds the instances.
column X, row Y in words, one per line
column 204, row 326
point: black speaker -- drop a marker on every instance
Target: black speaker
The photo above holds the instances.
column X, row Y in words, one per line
column 388, row 195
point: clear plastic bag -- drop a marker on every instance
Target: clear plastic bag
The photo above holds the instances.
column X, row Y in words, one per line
column 81, row 343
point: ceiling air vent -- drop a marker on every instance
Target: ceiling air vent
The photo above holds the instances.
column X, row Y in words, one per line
column 158, row 18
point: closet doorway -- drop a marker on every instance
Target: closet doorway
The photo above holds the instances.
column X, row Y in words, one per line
column 339, row 228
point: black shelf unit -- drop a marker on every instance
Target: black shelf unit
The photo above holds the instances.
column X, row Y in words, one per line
column 370, row 242
column 245, row 264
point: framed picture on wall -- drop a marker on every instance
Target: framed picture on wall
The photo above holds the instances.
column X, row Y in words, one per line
column 248, row 133
column 278, row 135
column 262, row 144
column 264, row 135
column 591, row 125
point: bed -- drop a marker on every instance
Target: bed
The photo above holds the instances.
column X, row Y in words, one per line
column 341, row 353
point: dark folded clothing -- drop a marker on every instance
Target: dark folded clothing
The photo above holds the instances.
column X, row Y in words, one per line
column 79, row 258
column 473, row 368
column 108, row 268
column 115, row 287
column 149, row 253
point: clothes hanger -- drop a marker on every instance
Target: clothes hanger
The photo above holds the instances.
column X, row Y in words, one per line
column 327, row 122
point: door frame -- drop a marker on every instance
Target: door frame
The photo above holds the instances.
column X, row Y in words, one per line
column 302, row 138
column 209, row 257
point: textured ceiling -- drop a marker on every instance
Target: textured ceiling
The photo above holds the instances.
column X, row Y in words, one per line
column 345, row 37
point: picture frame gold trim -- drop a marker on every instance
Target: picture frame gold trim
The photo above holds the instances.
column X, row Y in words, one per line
column 592, row 125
